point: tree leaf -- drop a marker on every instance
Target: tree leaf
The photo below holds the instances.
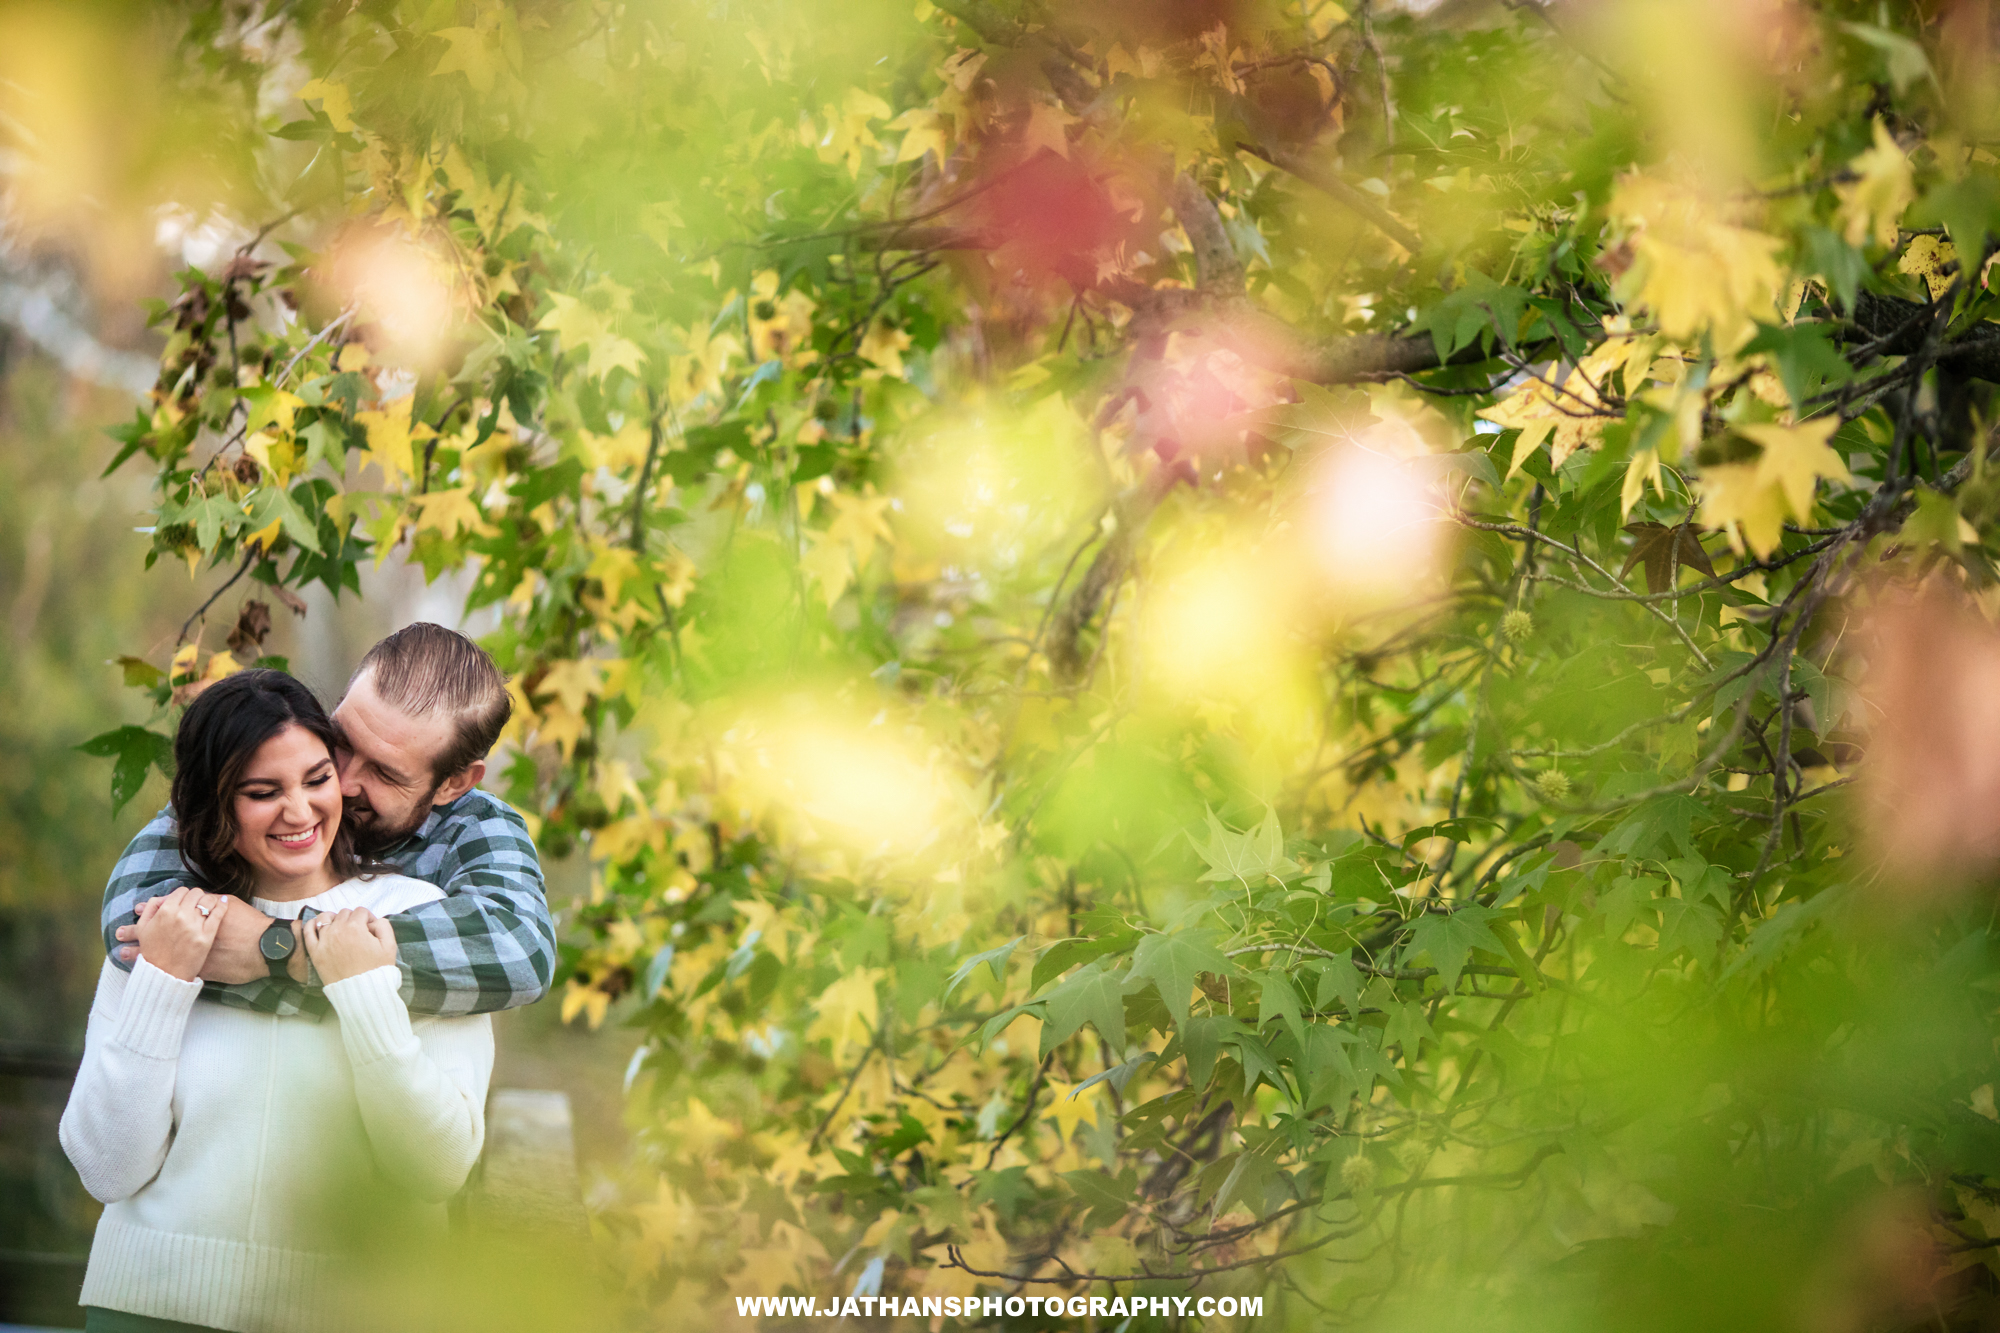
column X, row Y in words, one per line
column 1450, row 937
column 1091, row 996
column 1172, row 961
column 136, row 750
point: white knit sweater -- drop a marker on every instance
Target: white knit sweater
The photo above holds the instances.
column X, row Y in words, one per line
column 224, row 1140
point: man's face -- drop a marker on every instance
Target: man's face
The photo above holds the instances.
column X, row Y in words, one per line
column 385, row 765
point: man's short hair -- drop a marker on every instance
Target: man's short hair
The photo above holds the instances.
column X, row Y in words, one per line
column 423, row 669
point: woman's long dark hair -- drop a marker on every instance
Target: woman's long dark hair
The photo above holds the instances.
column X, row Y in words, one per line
column 218, row 734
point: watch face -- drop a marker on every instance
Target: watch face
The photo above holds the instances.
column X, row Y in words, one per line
column 277, row 942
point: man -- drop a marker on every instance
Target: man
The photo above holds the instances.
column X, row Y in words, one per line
column 420, row 714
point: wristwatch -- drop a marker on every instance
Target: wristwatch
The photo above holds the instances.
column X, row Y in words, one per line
column 277, row 944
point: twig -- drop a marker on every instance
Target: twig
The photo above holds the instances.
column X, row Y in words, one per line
column 250, row 558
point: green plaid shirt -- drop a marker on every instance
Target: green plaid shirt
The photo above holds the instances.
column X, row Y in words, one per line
column 489, row 945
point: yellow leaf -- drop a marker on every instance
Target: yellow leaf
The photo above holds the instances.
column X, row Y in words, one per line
column 1931, row 258
column 274, row 407
column 182, row 667
column 830, row 564
column 354, row 356
column 266, row 537
column 885, row 346
column 275, row 455
column 613, row 566
column 572, row 682
column 1045, row 129
column 1563, row 416
column 471, row 56
column 1068, row 1109
column 1693, row 268
column 1743, row 508
column 580, row 998
column 449, row 512
column 389, row 437
column 1644, row 467
column 859, row 522
column 585, row 326
column 847, row 1011
column 560, row 727
column 220, row 665
column 1795, row 458
column 334, row 99
column 1872, row 206
column 924, row 132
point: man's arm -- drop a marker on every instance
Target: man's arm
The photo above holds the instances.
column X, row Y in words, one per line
column 152, row 866
column 490, row 944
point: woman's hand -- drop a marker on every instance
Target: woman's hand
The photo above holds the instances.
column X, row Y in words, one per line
column 176, row 933
column 347, row 943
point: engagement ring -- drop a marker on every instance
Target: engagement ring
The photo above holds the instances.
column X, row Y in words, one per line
column 203, row 908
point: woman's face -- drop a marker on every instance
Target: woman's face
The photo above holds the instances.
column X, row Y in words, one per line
column 287, row 806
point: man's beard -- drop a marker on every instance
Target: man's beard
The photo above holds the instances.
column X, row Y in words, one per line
column 372, row 836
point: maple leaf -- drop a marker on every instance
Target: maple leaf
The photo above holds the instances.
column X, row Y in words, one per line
column 1872, row 205
column 1933, row 259
column 1749, row 512
column 613, row 566
column 1796, row 457
column 1663, row 550
column 1243, row 856
column 829, row 562
column 846, row 1011
column 1564, row 415
column 1693, row 268
column 1069, row 1106
column 1172, row 962
column 1045, row 129
column 449, row 512
column 334, row 99
column 859, row 522
column 583, row 325
column 389, row 439
column 925, row 131
column 470, row 55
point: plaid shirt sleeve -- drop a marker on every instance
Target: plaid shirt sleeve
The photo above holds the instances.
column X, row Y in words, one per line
column 490, row 943
column 152, row 866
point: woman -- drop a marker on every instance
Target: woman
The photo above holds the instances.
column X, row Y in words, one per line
column 218, row 1136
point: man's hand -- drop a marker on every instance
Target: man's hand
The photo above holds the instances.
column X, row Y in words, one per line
column 347, row 943
column 234, row 957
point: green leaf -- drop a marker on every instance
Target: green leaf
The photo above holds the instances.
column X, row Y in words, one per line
column 1805, row 357
column 1693, row 926
column 1407, row 1027
column 1338, row 981
column 1172, row 962
column 140, row 673
column 1061, row 956
column 1091, row 996
column 1969, row 209
column 1450, row 937
column 1478, row 305
column 1201, row 1041
column 1903, row 59
column 136, row 750
column 993, row 958
column 1257, row 1062
column 1106, row 1197
column 1280, row 1000
column 1247, row 857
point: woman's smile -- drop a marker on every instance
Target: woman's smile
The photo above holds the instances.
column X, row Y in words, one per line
column 287, row 808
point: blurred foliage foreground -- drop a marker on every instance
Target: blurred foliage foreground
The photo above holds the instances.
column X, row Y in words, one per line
column 1200, row 646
